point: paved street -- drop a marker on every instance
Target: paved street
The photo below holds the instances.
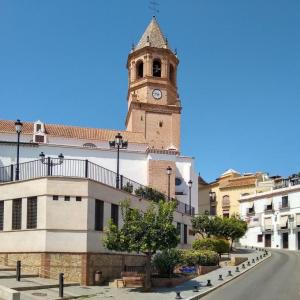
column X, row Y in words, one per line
column 276, row 279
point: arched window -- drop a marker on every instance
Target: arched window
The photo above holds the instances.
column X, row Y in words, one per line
column 156, row 70
column 226, row 201
column 139, row 69
column 172, row 74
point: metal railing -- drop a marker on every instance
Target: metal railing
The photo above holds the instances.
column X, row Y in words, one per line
column 85, row 169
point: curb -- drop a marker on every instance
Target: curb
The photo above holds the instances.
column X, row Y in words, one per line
column 198, row 296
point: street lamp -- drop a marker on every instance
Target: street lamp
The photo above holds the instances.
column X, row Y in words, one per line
column 169, row 172
column 18, row 126
column 118, row 144
column 50, row 163
column 190, row 183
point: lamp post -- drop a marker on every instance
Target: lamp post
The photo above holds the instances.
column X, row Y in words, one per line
column 50, row 163
column 190, row 183
column 169, row 172
column 118, row 144
column 18, row 126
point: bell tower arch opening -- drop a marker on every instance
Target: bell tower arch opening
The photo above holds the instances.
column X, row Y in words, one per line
column 156, row 67
column 139, row 69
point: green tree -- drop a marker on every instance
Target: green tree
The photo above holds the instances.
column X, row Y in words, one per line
column 144, row 232
column 206, row 225
column 233, row 228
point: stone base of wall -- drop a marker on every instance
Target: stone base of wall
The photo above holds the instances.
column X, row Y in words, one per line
column 77, row 267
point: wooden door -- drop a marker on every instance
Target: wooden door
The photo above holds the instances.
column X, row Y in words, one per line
column 285, row 240
column 268, row 240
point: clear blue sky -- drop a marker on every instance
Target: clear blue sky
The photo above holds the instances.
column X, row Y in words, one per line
column 239, row 77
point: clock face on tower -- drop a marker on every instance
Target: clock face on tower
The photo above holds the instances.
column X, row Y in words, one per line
column 156, row 93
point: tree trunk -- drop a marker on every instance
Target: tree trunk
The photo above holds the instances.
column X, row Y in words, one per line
column 148, row 273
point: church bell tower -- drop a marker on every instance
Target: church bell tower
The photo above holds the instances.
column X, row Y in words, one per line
column 153, row 103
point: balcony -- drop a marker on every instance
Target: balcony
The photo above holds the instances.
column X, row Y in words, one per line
column 296, row 226
column 250, row 212
column 269, row 209
column 282, row 229
column 284, row 206
column 267, row 229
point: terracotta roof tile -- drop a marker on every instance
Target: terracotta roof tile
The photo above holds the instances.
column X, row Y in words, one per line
column 75, row 132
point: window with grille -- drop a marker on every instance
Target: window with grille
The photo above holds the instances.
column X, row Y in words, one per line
column 1, row 214
column 115, row 214
column 39, row 139
column 259, row 238
column 17, row 214
column 99, row 211
column 31, row 212
column 185, row 234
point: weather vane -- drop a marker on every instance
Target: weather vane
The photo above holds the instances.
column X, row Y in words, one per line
column 153, row 6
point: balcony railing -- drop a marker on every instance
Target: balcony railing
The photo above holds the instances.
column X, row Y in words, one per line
column 269, row 209
column 250, row 212
column 267, row 228
column 283, row 206
column 283, row 229
column 296, row 226
column 85, row 169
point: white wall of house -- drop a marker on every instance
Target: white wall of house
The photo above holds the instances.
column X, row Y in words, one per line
column 257, row 224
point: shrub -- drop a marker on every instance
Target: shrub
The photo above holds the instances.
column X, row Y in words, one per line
column 128, row 188
column 149, row 193
column 166, row 261
column 218, row 245
column 200, row 257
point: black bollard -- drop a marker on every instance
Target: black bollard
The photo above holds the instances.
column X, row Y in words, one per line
column 237, row 269
column 220, row 277
column 18, row 270
column 257, row 258
column 208, row 282
column 243, row 266
column 61, row 285
column 249, row 264
column 196, row 288
column 260, row 256
column 178, row 296
column 253, row 260
column 229, row 273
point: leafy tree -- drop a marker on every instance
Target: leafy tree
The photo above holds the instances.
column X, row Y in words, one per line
column 144, row 232
column 233, row 228
column 206, row 225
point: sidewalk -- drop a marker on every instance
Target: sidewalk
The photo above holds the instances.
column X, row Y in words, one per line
column 186, row 289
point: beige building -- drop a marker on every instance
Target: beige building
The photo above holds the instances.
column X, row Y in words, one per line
column 221, row 197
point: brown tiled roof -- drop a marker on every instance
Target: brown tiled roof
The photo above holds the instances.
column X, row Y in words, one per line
column 240, row 181
column 75, row 132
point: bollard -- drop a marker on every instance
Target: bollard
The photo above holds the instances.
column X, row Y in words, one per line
column 208, row 282
column 257, row 258
column 61, row 285
column 18, row 270
column 249, row 264
column 229, row 273
column 253, row 260
column 260, row 256
column 178, row 296
column 264, row 255
column 243, row 266
column 237, row 269
column 196, row 289
column 220, row 277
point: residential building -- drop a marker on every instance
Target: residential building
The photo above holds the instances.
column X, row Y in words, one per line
column 221, row 197
column 53, row 216
column 274, row 216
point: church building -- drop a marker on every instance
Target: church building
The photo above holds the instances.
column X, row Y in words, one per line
column 58, row 194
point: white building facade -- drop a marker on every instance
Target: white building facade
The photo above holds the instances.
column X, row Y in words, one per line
column 273, row 217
